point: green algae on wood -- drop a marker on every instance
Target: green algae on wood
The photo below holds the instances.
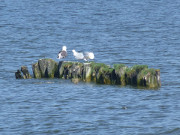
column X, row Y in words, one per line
column 77, row 70
column 25, row 72
column 95, row 75
column 36, row 70
column 45, row 68
column 149, row 78
column 120, row 70
column 87, row 72
column 68, row 70
column 62, row 66
column 132, row 73
column 119, row 74
column 106, row 75
column 48, row 68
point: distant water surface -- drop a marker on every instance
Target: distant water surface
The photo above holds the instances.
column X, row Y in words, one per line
column 117, row 31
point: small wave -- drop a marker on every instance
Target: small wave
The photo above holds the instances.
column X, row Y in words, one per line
column 175, row 131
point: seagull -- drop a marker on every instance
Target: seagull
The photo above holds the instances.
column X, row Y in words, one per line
column 62, row 54
column 78, row 55
column 88, row 55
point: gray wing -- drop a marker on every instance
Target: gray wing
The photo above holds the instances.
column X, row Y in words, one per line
column 79, row 56
column 86, row 55
column 62, row 54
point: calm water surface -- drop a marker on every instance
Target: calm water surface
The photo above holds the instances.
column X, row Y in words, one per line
column 117, row 31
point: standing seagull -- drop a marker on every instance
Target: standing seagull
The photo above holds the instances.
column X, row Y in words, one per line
column 78, row 55
column 62, row 54
column 88, row 55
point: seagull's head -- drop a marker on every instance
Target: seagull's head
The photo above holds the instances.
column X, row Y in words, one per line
column 64, row 48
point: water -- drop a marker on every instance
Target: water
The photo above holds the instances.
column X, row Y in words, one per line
column 117, row 31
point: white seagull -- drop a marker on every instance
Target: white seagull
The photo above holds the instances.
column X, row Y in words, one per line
column 62, row 54
column 88, row 55
column 78, row 55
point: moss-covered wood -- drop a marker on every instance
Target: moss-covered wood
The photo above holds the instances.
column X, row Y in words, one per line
column 23, row 73
column 45, row 68
column 132, row 73
column 120, row 70
column 69, row 70
column 119, row 74
column 149, row 78
column 87, row 72
column 106, row 75
column 36, row 70
column 18, row 74
column 96, row 73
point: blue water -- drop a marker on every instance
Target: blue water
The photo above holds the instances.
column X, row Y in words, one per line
column 117, row 31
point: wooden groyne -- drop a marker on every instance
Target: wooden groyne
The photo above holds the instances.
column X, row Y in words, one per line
column 119, row 74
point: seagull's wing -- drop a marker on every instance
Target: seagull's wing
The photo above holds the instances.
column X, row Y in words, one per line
column 62, row 54
column 79, row 55
column 86, row 56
